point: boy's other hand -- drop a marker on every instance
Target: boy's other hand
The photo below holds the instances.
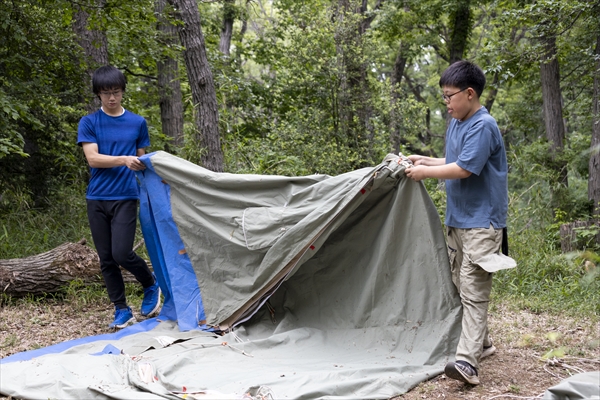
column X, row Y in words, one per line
column 134, row 163
column 416, row 172
column 416, row 159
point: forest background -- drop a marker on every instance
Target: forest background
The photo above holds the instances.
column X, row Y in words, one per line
column 297, row 87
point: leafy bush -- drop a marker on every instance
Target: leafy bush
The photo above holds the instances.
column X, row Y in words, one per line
column 27, row 231
column 545, row 279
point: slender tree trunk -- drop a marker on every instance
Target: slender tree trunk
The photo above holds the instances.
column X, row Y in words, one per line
column 594, row 166
column 516, row 35
column 461, row 21
column 396, row 117
column 227, row 28
column 349, row 74
column 201, row 82
column 492, row 92
column 93, row 41
column 355, row 108
column 552, row 104
column 169, row 85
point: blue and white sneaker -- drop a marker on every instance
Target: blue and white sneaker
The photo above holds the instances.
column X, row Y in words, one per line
column 151, row 302
column 462, row 371
column 487, row 351
column 123, row 317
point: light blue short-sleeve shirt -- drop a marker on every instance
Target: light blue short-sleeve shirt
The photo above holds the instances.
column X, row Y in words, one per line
column 476, row 145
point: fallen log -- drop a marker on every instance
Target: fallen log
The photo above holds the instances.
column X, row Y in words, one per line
column 50, row 271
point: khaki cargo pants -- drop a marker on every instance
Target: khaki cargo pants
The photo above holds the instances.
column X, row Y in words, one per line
column 465, row 247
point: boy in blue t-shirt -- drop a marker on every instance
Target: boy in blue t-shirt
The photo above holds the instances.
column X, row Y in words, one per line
column 112, row 139
column 476, row 174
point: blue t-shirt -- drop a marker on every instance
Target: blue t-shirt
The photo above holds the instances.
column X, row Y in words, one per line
column 115, row 136
column 481, row 199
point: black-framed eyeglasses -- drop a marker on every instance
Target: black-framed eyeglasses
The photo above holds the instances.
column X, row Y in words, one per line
column 448, row 97
column 115, row 93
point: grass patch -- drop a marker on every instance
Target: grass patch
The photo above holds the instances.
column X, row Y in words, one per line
column 547, row 281
column 27, row 231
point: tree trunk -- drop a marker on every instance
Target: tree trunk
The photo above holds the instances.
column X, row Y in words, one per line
column 515, row 36
column 227, row 28
column 355, row 109
column 553, row 114
column 579, row 235
column 51, row 271
column 460, row 26
column 93, row 41
column 396, row 117
column 492, row 92
column 594, row 166
column 461, row 21
column 202, row 84
column 169, row 85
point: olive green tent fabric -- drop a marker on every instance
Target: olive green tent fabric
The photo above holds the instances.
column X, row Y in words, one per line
column 584, row 386
column 325, row 288
column 244, row 234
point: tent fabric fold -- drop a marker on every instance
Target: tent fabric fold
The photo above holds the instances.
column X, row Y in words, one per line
column 582, row 386
column 301, row 287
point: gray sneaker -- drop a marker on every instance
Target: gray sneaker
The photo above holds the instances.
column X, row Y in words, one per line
column 487, row 351
column 462, row 371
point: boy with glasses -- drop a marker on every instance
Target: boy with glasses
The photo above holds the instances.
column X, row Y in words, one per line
column 112, row 139
column 476, row 174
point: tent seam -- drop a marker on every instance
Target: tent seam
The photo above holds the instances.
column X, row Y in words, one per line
column 244, row 228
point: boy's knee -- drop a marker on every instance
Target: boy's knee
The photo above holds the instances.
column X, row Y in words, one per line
column 123, row 258
column 476, row 286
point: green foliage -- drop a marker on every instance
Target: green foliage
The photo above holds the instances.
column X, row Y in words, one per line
column 297, row 113
column 26, row 231
column 545, row 279
column 533, row 175
column 82, row 295
column 40, row 82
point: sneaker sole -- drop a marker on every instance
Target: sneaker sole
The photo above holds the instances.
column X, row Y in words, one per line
column 487, row 352
column 123, row 325
column 155, row 309
column 452, row 372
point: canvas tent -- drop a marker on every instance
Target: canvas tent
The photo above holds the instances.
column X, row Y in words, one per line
column 583, row 386
column 289, row 287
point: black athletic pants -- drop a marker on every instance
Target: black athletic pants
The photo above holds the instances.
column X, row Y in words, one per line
column 113, row 225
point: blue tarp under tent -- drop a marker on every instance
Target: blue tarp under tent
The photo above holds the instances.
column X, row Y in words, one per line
column 310, row 287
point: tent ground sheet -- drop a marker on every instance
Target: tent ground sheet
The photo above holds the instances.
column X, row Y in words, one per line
column 274, row 287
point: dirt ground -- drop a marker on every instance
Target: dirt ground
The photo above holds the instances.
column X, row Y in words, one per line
column 518, row 370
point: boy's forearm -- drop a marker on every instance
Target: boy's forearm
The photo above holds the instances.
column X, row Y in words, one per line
column 428, row 161
column 447, row 171
column 97, row 160
column 103, row 161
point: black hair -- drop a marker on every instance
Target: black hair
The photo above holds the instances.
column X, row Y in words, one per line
column 463, row 75
column 107, row 78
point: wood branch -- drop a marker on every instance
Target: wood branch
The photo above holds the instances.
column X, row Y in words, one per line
column 126, row 69
column 49, row 272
